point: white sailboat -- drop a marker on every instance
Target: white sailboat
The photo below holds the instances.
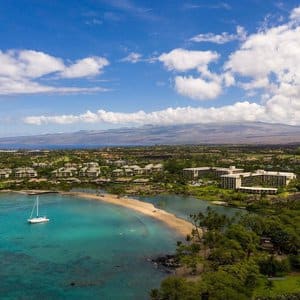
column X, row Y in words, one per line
column 37, row 219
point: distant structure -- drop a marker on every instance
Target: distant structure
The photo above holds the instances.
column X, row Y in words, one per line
column 251, row 182
column 25, row 172
column 195, row 173
column 5, row 173
column 257, row 182
column 137, row 170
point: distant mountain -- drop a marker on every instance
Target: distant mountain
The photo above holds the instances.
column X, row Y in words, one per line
column 235, row 133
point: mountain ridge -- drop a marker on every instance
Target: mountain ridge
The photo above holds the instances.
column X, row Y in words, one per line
column 213, row 133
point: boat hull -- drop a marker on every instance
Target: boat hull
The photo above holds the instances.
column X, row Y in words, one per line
column 38, row 220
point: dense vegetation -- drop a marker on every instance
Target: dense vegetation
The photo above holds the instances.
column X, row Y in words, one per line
column 231, row 258
column 238, row 258
column 174, row 159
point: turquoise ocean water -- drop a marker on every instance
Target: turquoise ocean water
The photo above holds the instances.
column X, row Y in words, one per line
column 88, row 250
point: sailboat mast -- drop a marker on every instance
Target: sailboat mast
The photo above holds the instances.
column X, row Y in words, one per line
column 37, row 206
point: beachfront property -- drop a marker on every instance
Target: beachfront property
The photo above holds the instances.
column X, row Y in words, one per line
column 91, row 172
column 257, row 182
column 90, row 169
column 225, row 171
column 137, row 170
column 65, row 172
column 5, row 173
column 25, row 172
column 195, row 173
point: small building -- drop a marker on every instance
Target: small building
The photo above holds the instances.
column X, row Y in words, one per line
column 5, row 173
column 118, row 172
column 91, row 165
column 40, row 164
column 148, row 169
column 91, row 172
column 158, row 168
column 119, row 163
column 25, row 172
column 65, row 172
column 71, row 165
column 137, row 170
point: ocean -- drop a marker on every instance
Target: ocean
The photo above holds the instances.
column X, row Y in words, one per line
column 88, row 250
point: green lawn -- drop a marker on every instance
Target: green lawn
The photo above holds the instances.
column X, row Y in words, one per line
column 290, row 284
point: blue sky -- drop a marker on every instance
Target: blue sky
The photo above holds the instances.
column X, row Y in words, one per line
column 98, row 64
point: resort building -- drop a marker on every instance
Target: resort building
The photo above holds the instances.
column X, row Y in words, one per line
column 260, row 181
column 5, row 173
column 148, row 169
column 137, row 170
column 118, row 172
column 232, row 181
column 223, row 171
column 195, row 173
column 158, row 168
column 91, row 171
column 91, row 165
column 119, row 163
column 258, row 190
column 65, row 172
column 25, row 173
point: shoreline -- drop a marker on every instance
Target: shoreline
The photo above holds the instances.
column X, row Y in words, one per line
column 181, row 226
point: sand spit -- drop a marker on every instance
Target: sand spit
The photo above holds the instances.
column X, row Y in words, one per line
column 183, row 227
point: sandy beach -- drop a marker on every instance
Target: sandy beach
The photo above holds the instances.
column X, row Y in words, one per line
column 183, row 227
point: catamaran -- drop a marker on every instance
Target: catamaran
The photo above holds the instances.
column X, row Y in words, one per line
column 37, row 219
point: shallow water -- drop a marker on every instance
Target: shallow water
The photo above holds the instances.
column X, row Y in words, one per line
column 89, row 249
column 183, row 206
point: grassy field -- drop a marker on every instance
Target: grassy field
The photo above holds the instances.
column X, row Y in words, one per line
column 288, row 285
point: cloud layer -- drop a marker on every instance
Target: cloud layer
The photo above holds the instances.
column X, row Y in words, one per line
column 22, row 72
column 222, row 38
column 204, row 87
column 240, row 111
column 266, row 63
column 184, row 60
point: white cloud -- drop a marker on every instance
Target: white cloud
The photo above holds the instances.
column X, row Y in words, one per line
column 9, row 86
column 184, row 60
column 238, row 112
column 206, row 86
column 86, row 67
column 267, row 63
column 28, row 64
column 270, row 61
column 295, row 14
column 197, row 88
column 132, row 57
column 222, row 38
column 21, row 72
column 36, row 64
